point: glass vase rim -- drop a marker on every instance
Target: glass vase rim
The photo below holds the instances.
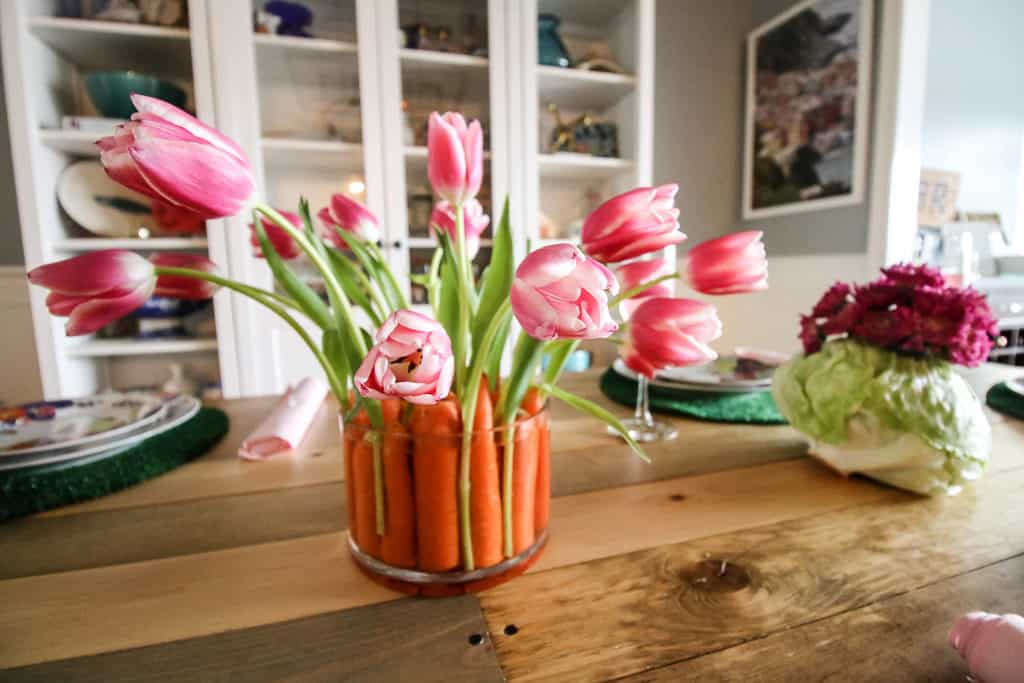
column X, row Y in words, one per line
column 499, row 429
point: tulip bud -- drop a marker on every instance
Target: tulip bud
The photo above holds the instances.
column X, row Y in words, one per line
column 666, row 333
column 282, row 242
column 474, row 222
column 349, row 215
column 632, row 224
column 412, row 360
column 729, row 265
column 455, row 157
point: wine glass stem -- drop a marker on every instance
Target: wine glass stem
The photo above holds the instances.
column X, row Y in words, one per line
column 643, row 407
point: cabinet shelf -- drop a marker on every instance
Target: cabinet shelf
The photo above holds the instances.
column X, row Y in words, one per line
column 77, row 142
column 583, row 90
column 140, row 347
column 274, row 44
column 565, row 165
column 134, row 244
column 92, row 44
column 323, row 154
column 435, row 59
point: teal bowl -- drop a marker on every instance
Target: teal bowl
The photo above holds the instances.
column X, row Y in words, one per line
column 110, row 91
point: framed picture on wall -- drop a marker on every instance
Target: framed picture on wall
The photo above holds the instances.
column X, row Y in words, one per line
column 807, row 90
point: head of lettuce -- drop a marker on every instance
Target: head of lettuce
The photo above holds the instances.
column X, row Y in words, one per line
column 876, row 391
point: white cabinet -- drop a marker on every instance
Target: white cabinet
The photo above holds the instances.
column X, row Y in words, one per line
column 343, row 112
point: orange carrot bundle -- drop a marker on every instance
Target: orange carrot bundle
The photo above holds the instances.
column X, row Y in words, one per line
column 485, row 495
column 524, row 474
column 365, row 512
column 398, row 545
column 436, row 445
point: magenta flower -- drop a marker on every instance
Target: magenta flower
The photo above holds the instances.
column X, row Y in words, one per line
column 412, row 360
column 833, row 301
column 558, row 293
column 94, row 289
column 912, row 276
column 180, row 286
column 455, row 157
column 732, row 264
column 474, row 222
column 636, row 273
column 168, row 155
column 666, row 333
column 284, row 244
column 349, row 215
column 633, row 224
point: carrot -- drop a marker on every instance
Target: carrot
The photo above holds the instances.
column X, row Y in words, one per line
column 366, row 516
column 436, row 448
column 352, row 433
column 533, row 403
column 542, row 495
column 398, row 545
column 524, row 483
column 485, row 496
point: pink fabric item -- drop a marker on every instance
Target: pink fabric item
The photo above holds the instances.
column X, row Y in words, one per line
column 287, row 423
column 992, row 645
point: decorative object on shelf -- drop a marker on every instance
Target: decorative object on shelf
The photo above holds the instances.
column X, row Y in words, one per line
column 265, row 22
column 807, row 91
column 124, row 11
column 421, row 205
column 110, row 91
column 420, row 36
column 583, row 135
column 179, row 382
column 599, row 58
column 876, row 393
column 164, row 12
column 551, row 51
column 294, row 18
column 937, row 197
column 100, row 205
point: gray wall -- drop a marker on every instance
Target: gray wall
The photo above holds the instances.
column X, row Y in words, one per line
column 974, row 103
column 699, row 110
column 10, row 233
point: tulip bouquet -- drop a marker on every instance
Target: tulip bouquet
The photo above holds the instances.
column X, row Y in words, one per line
column 396, row 371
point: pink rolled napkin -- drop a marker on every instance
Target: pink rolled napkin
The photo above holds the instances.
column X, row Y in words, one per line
column 992, row 645
column 288, row 422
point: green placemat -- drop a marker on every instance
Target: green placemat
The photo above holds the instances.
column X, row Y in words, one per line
column 23, row 492
column 1008, row 402
column 755, row 408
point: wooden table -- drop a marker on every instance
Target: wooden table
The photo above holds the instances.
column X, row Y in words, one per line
column 731, row 557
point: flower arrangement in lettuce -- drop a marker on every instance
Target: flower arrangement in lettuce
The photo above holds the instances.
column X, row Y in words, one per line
column 876, row 392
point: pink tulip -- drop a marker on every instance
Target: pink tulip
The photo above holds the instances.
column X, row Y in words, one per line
column 412, row 360
column 351, row 216
column 666, row 333
column 284, row 245
column 636, row 273
column 474, row 222
column 176, row 220
column 166, row 154
column 455, row 157
column 992, row 645
column 633, row 224
column 180, row 286
column 729, row 265
column 559, row 293
column 95, row 288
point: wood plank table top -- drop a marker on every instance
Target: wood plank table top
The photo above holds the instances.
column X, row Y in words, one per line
column 731, row 557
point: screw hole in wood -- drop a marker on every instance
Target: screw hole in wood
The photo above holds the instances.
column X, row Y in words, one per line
column 476, row 639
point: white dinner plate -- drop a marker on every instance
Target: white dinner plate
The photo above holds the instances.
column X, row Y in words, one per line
column 620, row 367
column 178, row 410
column 48, row 426
column 100, row 205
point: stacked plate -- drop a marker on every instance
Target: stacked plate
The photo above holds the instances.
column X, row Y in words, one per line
column 86, row 429
column 727, row 375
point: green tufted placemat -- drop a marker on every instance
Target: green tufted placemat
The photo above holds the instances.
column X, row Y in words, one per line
column 753, row 408
column 1008, row 402
column 23, row 492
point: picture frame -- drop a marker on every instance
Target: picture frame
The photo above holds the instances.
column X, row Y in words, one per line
column 807, row 103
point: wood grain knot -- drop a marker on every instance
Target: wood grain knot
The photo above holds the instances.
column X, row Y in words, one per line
column 717, row 576
column 677, row 497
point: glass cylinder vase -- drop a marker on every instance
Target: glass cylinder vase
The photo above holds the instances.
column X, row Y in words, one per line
column 403, row 502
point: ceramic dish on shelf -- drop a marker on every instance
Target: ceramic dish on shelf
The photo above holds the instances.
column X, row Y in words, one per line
column 697, row 387
column 177, row 411
column 57, row 425
column 101, row 206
